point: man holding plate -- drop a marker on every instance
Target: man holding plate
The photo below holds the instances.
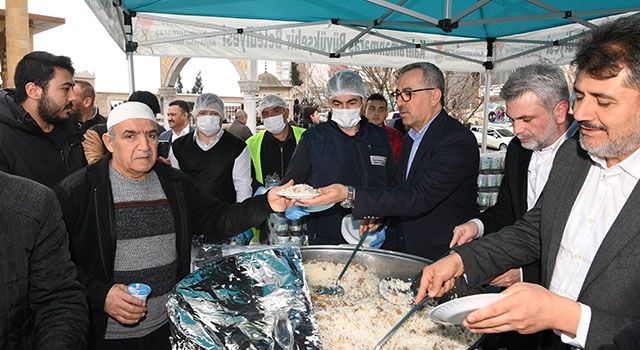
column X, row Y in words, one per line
column 347, row 149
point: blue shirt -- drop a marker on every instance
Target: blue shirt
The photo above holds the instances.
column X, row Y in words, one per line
column 417, row 139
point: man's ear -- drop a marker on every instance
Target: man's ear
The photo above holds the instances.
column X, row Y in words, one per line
column 106, row 139
column 33, row 91
column 560, row 112
column 436, row 96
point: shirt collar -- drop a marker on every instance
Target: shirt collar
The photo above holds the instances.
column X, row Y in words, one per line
column 418, row 135
column 554, row 146
column 214, row 140
column 631, row 165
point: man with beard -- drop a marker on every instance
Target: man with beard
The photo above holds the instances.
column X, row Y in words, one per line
column 584, row 226
column 38, row 139
column 537, row 99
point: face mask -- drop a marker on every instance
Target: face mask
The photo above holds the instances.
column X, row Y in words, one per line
column 346, row 118
column 208, row 124
column 274, row 125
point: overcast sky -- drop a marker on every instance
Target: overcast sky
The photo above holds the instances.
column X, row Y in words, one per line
column 91, row 49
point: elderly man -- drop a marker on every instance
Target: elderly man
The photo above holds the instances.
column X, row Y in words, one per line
column 584, row 226
column 178, row 118
column 239, row 126
column 39, row 140
column 537, row 99
column 272, row 149
column 347, row 150
column 84, row 109
column 131, row 219
column 436, row 177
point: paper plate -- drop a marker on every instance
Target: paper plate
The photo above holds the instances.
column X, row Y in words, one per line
column 456, row 310
column 299, row 196
column 317, row 208
column 351, row 231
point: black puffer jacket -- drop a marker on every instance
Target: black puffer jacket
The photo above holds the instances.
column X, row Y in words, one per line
column 42, row 305
column 27, row 151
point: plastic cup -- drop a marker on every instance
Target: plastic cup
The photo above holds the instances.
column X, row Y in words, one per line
column 139, row 290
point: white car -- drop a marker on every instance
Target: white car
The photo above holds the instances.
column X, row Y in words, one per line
column 497, row 138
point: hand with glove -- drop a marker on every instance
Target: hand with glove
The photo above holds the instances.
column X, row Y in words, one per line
column 243, row 238
column 295, row 213
column 260, row 190
column 379, row 241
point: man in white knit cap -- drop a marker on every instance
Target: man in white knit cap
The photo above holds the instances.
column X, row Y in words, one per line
column 131, row 219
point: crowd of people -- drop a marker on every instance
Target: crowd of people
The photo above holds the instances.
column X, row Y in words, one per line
column 91, row 204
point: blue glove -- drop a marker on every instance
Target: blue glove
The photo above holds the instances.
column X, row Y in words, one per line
column 243, row 238
column 379, row 241
column 295, row 213
column 260, row 190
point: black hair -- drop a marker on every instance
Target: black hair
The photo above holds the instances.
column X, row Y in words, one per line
column 147, row 98
column 184, row 106
column 38, row 67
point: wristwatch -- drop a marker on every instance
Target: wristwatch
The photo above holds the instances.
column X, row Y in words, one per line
column 348, row 203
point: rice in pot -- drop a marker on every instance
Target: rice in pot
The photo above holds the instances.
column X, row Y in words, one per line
column 361, row 318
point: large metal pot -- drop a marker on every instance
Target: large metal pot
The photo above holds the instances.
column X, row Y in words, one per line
column 384, row 263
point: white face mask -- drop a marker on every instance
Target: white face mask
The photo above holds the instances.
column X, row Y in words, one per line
column 274, row 125
column 208, row 124
column 346, row 118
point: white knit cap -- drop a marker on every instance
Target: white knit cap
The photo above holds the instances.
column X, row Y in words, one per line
column 129, row 110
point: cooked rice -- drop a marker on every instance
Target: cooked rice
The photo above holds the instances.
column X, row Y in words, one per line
column 361, row 318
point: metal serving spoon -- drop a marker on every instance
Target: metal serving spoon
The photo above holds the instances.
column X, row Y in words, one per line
column 399, row 292
column 336, row 288
column 400, row 323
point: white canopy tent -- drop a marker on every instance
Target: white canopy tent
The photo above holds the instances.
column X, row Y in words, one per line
column 456, row 35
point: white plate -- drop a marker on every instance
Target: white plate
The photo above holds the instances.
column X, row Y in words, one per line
column 351, row 231
column 299, row 196
column 456, row 310
column 317, row 208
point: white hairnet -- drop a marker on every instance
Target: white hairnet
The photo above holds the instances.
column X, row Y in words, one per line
column 346, row 82
column 208, row 102
column 271, row 100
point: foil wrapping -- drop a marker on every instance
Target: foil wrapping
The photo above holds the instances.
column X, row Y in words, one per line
column 254, row 299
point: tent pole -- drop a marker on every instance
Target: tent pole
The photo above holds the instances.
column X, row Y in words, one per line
column 130, row 47
column 485, row 115
column 132, row 80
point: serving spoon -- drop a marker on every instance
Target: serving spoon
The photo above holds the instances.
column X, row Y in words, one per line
column 336, row 288
column 399, row 292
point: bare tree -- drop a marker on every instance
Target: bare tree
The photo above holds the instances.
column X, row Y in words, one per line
column 462, row 96
column 380, row 80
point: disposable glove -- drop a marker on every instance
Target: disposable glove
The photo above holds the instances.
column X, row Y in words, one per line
column 295, row 213
column 379, row 241
column 260, row 190
column 243, row 238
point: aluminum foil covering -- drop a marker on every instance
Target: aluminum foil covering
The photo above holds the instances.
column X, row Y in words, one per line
column 255, row 299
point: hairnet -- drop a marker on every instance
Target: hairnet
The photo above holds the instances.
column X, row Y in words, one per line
column 208, row 102
column 271, row 100
column 346, row 82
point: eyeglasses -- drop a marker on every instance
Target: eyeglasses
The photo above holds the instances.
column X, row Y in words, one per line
column 406, row 94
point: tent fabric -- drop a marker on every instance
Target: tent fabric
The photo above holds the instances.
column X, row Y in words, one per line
column 459, row 35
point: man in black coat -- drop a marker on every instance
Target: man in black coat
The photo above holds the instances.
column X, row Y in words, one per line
column 537, row 98
column 42, row 305
column 38, row 140
column 436, row 175
column 131, row 219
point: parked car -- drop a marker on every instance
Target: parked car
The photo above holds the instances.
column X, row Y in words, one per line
column 497, row 138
